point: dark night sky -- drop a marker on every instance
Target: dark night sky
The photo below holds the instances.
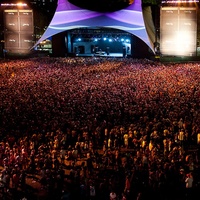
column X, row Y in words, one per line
column 101, row 5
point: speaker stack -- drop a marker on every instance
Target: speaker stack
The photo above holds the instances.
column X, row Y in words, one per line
column 178, row 30
column 18, row 31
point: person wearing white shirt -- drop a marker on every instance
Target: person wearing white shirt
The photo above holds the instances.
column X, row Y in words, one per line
column 189, row 185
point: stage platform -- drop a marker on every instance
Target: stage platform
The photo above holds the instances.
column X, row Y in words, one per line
column 116, row 55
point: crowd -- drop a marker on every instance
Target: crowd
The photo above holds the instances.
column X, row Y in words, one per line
column 132, row 125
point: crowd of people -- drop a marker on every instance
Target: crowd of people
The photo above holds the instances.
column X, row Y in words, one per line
column 131, row 124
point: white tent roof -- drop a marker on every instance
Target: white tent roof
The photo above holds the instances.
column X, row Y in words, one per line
column 69, row 16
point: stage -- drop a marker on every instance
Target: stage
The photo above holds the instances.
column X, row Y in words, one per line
column 116, row 55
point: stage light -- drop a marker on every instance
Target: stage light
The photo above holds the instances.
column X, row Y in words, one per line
column 14, row 4
column 21, row 4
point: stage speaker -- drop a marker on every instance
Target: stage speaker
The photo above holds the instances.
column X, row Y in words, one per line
column 11, row 40
column 26, row 21
column 16, row 42
column 11, row 21
column 26, row 41
column 18, row 30
column 178, row 31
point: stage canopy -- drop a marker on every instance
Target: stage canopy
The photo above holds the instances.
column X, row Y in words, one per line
column 69, row 16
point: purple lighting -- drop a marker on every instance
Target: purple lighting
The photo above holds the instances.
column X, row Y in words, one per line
column 69, row 16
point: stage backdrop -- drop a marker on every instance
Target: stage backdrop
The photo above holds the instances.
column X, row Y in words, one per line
column 69, row 16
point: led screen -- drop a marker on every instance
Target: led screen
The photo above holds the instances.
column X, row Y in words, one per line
column 69, row 16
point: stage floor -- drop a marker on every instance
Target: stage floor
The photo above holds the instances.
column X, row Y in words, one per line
column 119, row 55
